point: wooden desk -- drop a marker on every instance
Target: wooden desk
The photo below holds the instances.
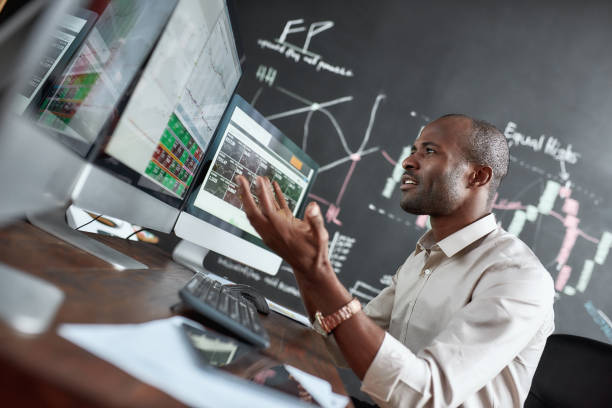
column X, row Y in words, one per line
column 49, row 371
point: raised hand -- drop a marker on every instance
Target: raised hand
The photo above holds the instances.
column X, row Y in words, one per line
column 302, row 243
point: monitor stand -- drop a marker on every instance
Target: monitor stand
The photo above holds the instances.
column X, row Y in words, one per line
column 190, row 256
column 54, row 222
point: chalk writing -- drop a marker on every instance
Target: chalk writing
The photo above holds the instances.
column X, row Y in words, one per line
column 266, row 74
column 549, row 145
column 339, row 249
column 298, row 54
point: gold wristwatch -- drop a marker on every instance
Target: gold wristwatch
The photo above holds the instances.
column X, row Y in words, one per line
column 326, row 324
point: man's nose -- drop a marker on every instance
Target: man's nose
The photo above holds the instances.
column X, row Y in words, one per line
column 410, row 162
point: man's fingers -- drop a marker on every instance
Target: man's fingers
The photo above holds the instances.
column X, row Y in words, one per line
column 265, row 196
column 274, row 200
column 315, row 219
column 249, row 206
column 280, row 196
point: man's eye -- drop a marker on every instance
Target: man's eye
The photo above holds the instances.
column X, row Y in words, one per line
column 429, row 150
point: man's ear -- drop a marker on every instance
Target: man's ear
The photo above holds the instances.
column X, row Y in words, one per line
column 480, row 175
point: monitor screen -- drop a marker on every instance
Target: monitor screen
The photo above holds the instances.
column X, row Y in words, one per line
column 176, row 106
column 88, row 95
column 62, row 43
column 245, row 144
column 141, row 100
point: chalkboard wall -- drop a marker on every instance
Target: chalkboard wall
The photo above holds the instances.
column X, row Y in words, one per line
column 353, row 82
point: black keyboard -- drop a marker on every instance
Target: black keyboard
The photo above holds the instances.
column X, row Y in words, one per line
column 229, row 310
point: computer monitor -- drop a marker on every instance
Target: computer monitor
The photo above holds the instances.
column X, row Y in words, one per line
column 245, row 144
column 38, row 173
column 141, row 100
column 62, row 43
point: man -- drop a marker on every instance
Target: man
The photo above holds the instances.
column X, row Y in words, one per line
column 467, row 315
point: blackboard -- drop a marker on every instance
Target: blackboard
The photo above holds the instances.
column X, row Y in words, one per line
column 353, row 82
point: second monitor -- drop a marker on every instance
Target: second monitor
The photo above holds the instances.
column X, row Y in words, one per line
column 245, row 144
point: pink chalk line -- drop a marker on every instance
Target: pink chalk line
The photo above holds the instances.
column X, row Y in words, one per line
column 315, row 197
column 563, row 277
column 512, row 205
column 346, row 180
column 389, row 159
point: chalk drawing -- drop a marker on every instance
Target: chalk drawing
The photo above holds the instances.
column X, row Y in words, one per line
column 364, row 291
column 603, row 248
column 585, row 275
column 398, row 170
column 389, row 215
column 600, row 319
column 352, row 156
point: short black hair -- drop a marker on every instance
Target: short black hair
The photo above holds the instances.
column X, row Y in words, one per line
column 487, row 146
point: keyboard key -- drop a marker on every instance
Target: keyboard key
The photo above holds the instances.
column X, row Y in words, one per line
column 244, row 313
column 212, row 297
column 254, row 319
column 223, row 305
column 234, row 311
column 202, row 289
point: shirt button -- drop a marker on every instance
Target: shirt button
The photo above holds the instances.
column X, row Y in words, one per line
column 427, row 272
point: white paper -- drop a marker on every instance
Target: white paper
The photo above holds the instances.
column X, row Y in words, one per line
column 159, row 354
column 320, row 389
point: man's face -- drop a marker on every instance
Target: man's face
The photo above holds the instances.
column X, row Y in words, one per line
column 436, row 171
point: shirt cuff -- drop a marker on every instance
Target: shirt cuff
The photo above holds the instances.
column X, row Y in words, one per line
column 395, row 364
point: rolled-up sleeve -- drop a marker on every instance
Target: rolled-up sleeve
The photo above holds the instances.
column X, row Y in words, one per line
column 395, row 368
column 508, row 307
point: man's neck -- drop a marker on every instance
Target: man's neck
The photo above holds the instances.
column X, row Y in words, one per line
column 443, row 226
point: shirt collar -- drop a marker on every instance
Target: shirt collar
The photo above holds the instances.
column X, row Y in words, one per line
column 459, row 239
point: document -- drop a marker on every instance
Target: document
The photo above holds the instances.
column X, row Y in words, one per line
column 159, row 354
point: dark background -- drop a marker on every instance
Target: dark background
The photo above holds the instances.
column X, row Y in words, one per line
column 545, row 66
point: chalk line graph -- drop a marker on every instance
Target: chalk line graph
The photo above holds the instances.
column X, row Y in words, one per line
column 352, row 156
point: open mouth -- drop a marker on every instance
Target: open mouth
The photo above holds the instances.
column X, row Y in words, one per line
column 407, row 182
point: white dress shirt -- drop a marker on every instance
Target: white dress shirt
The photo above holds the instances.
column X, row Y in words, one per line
column 466, row 320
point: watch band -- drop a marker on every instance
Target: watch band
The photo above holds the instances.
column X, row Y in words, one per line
column 330, row 322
